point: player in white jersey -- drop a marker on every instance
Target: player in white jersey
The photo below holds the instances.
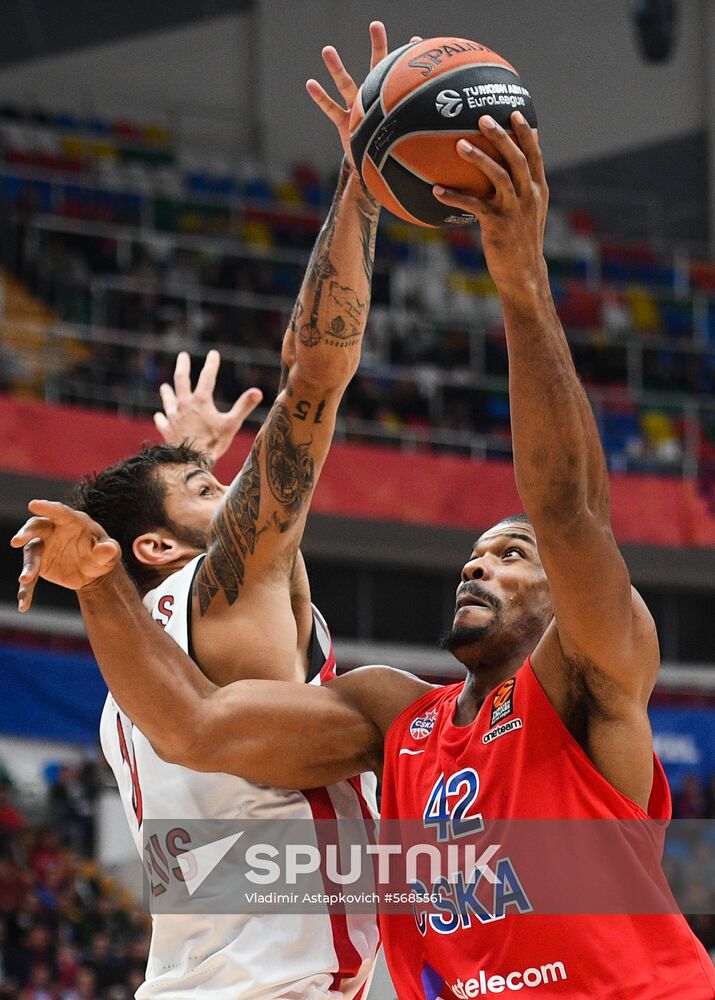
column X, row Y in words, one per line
column 306, row 956
column 225, row 562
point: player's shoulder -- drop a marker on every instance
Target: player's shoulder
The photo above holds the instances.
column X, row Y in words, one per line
column 380, row 693
column 178, row 583
column 420, row 716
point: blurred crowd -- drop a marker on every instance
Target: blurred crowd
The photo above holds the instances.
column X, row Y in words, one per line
column 112, row 229
column 67, row 932
column 689, row 860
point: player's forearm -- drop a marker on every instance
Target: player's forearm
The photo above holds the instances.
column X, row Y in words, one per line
column 283, row 734
column 328, row 322
column 558, row 460
column 152, row 680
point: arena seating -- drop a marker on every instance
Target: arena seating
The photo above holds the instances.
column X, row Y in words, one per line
column 121, row 234
column 67, row 931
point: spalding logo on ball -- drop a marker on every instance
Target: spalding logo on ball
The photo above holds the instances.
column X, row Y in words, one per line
column 412, row 109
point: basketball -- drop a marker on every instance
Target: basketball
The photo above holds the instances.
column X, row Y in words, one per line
column 410, row 112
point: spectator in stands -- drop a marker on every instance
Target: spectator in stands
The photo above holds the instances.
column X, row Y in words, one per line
column 72, row 808
column 46, row 854
column 103, row 963
column 39, row 983
column 68, row 967
column 689, row 802
column 11, row 819
column 709, row 799
column 85, row 987
column 34, row 950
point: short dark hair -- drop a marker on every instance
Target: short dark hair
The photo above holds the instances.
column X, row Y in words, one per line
column 127, row 499
column 512, row 519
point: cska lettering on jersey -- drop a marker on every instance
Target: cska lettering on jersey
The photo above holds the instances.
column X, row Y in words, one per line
column 462, row 902
column 423, row 725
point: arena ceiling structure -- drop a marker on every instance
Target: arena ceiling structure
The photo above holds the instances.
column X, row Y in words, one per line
column 36, row 28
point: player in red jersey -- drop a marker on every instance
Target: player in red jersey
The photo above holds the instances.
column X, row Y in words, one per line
column 550, row 723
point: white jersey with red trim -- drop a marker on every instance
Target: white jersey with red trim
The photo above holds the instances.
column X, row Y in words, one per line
column 239, row 956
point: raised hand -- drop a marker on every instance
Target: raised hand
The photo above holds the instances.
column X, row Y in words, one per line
column 512, row 220
column 348, row 89
column 63, row 546
column 191, row 415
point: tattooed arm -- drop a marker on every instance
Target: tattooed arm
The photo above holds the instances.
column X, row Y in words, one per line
column 242, row 613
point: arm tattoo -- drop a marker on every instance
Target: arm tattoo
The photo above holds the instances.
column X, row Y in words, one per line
column 320, row 268
column 289, row 467
column 368, row 233
column 232, row 536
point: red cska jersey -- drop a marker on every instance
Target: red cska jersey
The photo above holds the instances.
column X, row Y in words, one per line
column 517, row 761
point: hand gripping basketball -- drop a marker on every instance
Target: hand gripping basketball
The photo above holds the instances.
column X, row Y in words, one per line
column 63, row 546
column 409, row 114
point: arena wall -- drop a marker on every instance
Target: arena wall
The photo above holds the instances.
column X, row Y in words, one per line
column 595, row 96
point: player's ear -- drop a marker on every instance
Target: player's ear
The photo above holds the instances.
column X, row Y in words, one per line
column 155, row 548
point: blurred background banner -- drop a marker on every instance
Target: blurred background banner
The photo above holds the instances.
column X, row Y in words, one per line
column 50, row 696
column 359, row 481
column 684, row 739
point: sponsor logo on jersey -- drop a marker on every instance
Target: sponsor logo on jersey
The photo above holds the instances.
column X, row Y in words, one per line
column 485, row 984
column 423, row 725
column 503, row 702
column 506, row 727
column 449, row 103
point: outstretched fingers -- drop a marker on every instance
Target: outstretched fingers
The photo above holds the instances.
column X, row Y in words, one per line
column 327, row 105
column 182, row 375
column 168, row 399
column 341, row 78
column 378, row 40
column 34, row 527
column 206, row 382
column 162, row 424
column 245, row 405
column 57, row 512
column 30, row 574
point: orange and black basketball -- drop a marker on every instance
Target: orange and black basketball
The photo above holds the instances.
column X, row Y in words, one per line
column 410, row 112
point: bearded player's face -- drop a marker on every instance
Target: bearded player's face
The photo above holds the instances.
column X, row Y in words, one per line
column 191, row 498
column 503, row 592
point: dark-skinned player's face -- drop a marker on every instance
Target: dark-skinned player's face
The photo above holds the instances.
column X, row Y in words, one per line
column 503, row 595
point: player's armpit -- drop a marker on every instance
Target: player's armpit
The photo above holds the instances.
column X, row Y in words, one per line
column 300, row 736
